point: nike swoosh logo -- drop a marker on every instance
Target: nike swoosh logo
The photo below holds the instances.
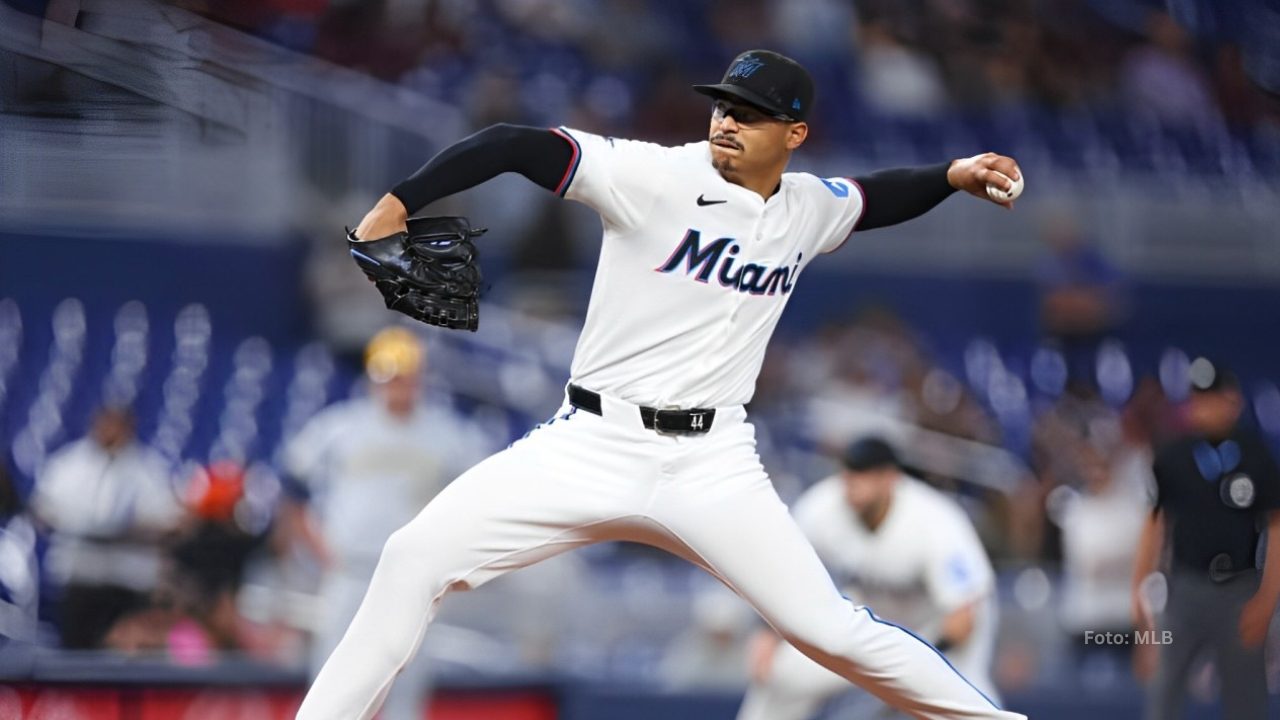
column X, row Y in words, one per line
column 704, row 202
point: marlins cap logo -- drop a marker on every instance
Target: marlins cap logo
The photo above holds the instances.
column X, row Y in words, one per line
column 746, row 67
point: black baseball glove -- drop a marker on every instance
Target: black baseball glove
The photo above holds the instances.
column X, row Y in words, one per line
column 429, row 273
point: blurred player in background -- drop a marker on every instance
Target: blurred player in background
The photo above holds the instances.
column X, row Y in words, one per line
column 904, row 550
column 108, row 503
column 359, row 470
column 1217, row 492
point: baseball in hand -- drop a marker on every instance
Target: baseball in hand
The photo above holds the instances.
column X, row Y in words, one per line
column 999, row 195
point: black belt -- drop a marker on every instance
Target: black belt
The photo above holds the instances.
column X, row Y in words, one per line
column 672, row 422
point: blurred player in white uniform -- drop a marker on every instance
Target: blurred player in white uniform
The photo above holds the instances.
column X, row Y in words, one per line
column 702, row 245
column 359, row 470
column 901, row 548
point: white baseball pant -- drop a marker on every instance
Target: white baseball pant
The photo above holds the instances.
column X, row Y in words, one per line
column 341, row 592
column 583, row 478
column 797, row 687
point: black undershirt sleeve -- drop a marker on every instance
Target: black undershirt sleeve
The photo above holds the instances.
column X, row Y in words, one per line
column 536, row 153
column 894, row 196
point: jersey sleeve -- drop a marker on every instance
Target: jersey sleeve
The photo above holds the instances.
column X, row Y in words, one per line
column 619, row 179
column 837, row 204
column 305, row 452
column 958, row 571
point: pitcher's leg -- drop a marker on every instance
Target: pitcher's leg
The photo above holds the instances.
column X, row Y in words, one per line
column 725, row 510
column 772, row 566
column 411, row 693
column 507, row 512
column 795, row 689
column 886, row 660
column 339, row 598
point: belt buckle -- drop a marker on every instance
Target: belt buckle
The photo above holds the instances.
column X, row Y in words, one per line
column 658, row 414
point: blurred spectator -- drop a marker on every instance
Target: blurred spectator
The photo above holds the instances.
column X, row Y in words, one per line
column 1217, row 489
column 1081, row 41
column 1149, row 421
column 812, row 27
column 210, row 555
column 1100, row 524
column 896, row 79
column 193, row 617
column 942, row 404
column 1071, row 441
column 108, row 503
column 543, row 62
column 358, row 471
column 671, row 111
column 738, row 25
column 902, row 549
column 1081, row 295
column 358, row 34
column 1244, row 104
column 1165, row 80
column 855, row 378
column 644, row 43
column 19, row 580
column 711, row 654
column 493, row 96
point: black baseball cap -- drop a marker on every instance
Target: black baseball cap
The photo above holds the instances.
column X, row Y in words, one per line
column 869, row 453
column 772, row 82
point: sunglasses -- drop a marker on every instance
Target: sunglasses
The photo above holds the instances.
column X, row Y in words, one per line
column 744, row 114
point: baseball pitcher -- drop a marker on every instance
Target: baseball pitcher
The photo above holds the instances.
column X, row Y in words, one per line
column 702, row 246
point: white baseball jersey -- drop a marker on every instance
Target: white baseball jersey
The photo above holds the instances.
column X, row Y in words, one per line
column 694, row 271
column 370, row 472
column 923, row 562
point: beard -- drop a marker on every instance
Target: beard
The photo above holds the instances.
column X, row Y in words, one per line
column 723, row 162
column 872, row 515
column 723, row 165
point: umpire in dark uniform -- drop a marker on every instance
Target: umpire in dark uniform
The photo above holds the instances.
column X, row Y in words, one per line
column 1217, row 493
